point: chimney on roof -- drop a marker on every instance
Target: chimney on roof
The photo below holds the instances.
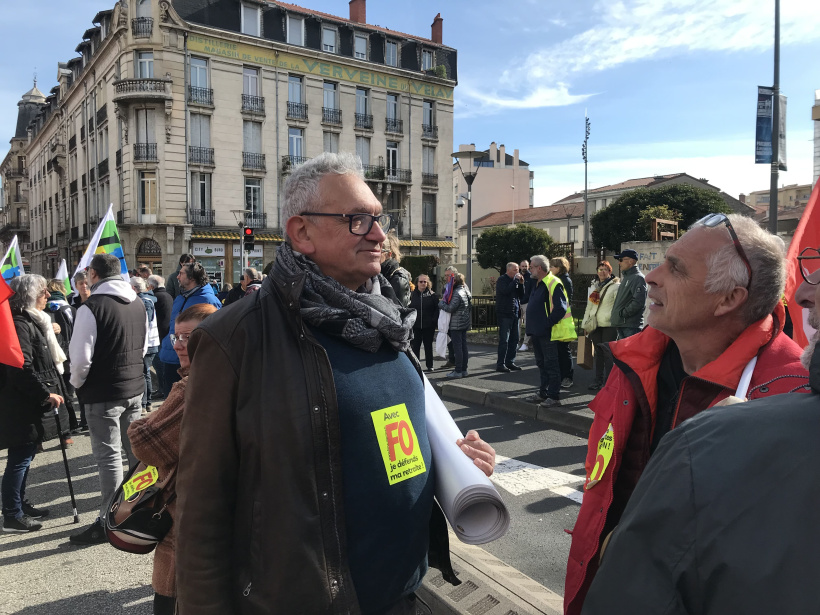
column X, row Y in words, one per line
column 703, row 179
column 358, row 11
column 515, row 159
column 493, row 151
column 437, row 29
column 742, row 198
column 502, row 156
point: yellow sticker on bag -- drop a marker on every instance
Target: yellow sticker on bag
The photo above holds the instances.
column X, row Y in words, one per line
column 140, row 482
column 398, row 443
column 605, row 447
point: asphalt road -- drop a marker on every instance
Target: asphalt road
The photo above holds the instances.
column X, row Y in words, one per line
column 549, row 463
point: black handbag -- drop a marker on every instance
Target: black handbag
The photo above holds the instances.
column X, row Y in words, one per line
column 137, row 516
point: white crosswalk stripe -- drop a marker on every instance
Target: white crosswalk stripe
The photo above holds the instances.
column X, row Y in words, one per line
column 520, row 477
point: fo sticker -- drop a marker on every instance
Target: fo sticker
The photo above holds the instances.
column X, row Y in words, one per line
column 605, row 446
column 398, row 443
column 140, row 482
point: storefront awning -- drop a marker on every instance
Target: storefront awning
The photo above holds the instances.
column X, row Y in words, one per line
column 426, row 243
column 233, row 236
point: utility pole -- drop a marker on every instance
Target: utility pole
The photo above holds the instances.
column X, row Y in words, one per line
column 775, row 124
column 586, row 200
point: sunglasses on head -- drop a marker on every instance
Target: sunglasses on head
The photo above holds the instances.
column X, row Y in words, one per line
column 713, row 220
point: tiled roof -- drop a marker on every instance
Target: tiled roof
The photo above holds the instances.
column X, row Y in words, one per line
column 641, row 182
column 530, row 215
column 233, row 236
column 426, row 243
column 300, row 9
column 783, row 213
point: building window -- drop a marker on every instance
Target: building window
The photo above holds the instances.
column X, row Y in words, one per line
column 427, row 113
column 253, row 195
column 329, row 95
column 200, row 130
column 360, row 47
column 331, row 142
column 392, row 158
column 426, row 60
column 428, row 159
column 145, row 125
column 363, row 149
column 392, row 107
column 201, row 191
column 250, row 19
column 329, row 40
column 294, row 89
column 391, row 53
column 148, row 196
column 145, row 65
column 250, row 81
column 428, row 209
column 296, row 138
column 573, row 234
column 199, row 73
column 252, row 137
column 102, row 144
column 362, row 101
column 296, row 30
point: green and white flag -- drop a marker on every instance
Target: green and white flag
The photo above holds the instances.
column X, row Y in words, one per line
column 106, row 240
column 62, row 275
column 12, row 264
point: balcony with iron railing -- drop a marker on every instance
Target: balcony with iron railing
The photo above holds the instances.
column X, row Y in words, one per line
column 256, row 220
column 142, row 27
column 390, row 174
column 202, row 217
column 297, row 111
column 364, row 121
column 429, row 229
column 253, row 161
column 141, row 90
column 72, row 143
column 429, row 131
column 73, row 187
column 102, row 114
column 253, row 104
column 429, row 180
column 331, row 116
column 145, row 152
column 201, row 155
column 394, row 126
column 288, row 162
column 102, row 168
column 201, row 96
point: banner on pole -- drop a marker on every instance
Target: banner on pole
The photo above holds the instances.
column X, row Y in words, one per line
column 765, row 129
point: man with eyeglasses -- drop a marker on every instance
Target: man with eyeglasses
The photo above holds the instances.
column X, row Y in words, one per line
column 707, row 529
column 305, row 481
column 109, row 341
column 714, row 307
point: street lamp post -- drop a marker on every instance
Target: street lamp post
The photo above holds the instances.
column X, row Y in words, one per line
column 470, row 155
column 775, row 175
column 586, row 200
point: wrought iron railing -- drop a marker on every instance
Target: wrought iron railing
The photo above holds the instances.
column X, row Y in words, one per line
column 201, row 96
column 253, row 104
column 202, row 217
column 145, row 152
column 332, row 116
column 142, row 26
column 394, row 125
column 254, row 161
column 429, row 179
column 102, row 168
column 201, row 155
column 429, row 131
column 364, row 120
column 429, row 229
column 297, row 111
column 289, row 161
column 256, row 220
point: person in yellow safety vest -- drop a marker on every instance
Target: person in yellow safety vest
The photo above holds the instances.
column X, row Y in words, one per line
column 549, row 320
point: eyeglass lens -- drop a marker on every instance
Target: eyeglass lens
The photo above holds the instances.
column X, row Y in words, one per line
column 809, row 263
column 361, row 224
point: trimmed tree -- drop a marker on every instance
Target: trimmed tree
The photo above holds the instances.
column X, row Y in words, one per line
column 629, row 217
column 500, row 245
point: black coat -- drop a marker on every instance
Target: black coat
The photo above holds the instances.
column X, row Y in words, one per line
column 426, row 307
column 399, row 279
column 235, row 294
column 23, row 416
column 509, row 294
column 163, row 306
column 724, row 518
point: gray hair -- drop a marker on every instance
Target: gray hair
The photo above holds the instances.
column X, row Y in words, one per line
column 766, row 254
column 80, row 276
column 452, row 268
column 138, row 284
column 27, row 289
column 539, row 260
column 391, row 242
column 251, row 273
column 302, row 187
column 511, row 265
column 156, row 281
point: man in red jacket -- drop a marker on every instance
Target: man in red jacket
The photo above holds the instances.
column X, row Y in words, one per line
column 715, row 305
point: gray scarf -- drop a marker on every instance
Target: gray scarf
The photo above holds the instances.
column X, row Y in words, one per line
column 364, row 319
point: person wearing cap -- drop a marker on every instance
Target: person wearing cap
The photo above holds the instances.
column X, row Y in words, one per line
column 715, row 313
column 627, row 313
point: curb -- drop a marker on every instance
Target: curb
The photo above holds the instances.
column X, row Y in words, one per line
column 488, row 587
column 578, row 420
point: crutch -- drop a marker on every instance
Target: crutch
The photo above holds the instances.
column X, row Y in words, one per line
column 65, row 463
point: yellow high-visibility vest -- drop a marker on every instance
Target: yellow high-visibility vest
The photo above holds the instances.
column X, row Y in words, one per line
column 564, row 329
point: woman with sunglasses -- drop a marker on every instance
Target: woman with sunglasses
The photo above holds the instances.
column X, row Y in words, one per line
column 425, row 302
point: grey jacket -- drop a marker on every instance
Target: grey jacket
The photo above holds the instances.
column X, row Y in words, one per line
column 460, row 307
column 724, row 518
column 631, row 299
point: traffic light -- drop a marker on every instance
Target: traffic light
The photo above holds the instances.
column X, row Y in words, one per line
column 247, row 238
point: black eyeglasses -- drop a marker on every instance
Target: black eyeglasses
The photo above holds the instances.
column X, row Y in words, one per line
column 809, row 263
column 711, row 221
column 360, row 224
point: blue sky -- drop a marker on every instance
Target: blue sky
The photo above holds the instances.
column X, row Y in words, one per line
column 669, row 85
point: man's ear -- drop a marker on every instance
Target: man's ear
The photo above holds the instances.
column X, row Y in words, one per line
column 732, row 301
column 301, row 235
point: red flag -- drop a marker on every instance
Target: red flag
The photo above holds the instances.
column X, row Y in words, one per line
column 10, row 351
column 807, row 235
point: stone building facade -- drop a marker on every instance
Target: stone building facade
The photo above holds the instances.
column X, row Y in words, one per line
column 188, row 116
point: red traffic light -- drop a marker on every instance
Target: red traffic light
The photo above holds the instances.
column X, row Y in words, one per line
column 248, row 232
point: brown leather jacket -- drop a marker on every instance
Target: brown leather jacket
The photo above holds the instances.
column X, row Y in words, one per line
column 260, row 521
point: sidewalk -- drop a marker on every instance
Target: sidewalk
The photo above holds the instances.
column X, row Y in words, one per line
column 506, row 392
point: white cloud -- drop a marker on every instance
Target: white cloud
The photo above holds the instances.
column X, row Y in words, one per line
column 477, row 102
column 630, row 31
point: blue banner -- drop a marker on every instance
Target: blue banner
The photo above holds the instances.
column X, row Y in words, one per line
column 763, row 134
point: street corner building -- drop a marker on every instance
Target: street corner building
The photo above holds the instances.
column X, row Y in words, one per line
column 189, row 115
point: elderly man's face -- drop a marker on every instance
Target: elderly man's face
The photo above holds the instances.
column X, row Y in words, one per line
column 349, row 259
column 512, row 271
column 679, row 302
column 627, row 263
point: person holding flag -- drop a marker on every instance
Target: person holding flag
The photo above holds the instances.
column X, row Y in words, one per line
column 12, row 264
column 106, row 240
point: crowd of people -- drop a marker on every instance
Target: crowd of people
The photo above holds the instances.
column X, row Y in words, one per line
column 679, row 513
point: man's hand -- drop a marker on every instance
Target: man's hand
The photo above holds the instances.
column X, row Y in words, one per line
column 482, row 454
column 56, row 328
column 54, row 400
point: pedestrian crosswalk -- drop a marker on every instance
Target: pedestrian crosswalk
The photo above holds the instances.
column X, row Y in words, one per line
column 520, row 477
